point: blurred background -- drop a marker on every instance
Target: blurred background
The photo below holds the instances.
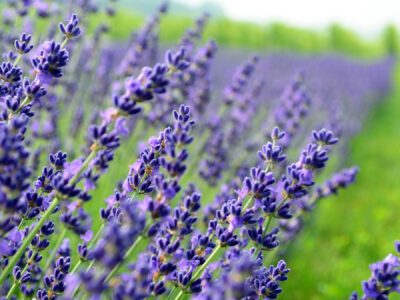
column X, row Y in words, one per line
column 350, row 27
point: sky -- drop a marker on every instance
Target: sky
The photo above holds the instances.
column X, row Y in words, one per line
column 366, row 17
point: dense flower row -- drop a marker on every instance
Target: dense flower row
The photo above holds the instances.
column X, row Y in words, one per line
column 222, row 182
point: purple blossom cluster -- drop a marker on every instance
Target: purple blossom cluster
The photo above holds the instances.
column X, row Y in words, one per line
column 212, row 197
column 384, row 279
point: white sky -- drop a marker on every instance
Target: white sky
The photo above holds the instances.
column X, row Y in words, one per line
column 367, row 17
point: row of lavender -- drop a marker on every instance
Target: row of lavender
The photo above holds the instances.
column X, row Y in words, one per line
column 156, row 236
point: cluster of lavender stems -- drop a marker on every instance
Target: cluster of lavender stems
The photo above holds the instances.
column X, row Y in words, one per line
column 211, row 198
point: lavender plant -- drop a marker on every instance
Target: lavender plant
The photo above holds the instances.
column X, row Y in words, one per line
column 384, row 279
column 199, row 206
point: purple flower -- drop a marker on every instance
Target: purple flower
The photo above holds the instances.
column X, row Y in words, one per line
column 384, row 279
column 22, row 45
column 71, row 29
column 121, row 127
column 87, row 236
column 176, row 62
column 49, row 63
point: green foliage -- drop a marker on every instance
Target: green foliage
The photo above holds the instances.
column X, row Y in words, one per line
column 391, row 39
column 342, row 40
column 275, row 36
column 121, row 26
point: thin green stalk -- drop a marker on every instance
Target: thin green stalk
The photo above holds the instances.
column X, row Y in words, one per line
column 64, row 43
column 203, row 266
column 246, row 206
column 137, row 188
column 54, row 252
column 90, row 265
column 24, row 219
column 96, row 237
column 200, row 271
column 11, row 291
column 18, row 282
column 83, row 167
column 13, row 261
column 76, row 267
column 199, row 153
column 116, row 268
column 266, row 229
column 24, row 102
column 267, row 226
column 94, row 240
column 269, row 256
column 127, row 254
column 17, row 60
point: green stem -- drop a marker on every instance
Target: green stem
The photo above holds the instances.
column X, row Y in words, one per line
column 23, row 219
column 247, row 204
column 28, row 240
column 127, row 254
column 53, row 254
column 18, row 282
column 199, row 152
column 134, row 194
column 200, row 271
column 267, row 225
column 83, row 167
column 74, row 270
column 96, row 237
column 94, row 240
column 64, row 43
column 90, row 265
column 209, row 259
column 17, row 60
column 24, row 102
column 137, row 188
column 11, row 291
column 76, row 267
column 281, row 204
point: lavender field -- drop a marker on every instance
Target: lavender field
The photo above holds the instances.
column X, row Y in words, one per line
column 141, row 169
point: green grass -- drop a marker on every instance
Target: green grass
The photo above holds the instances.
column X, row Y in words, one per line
column 347, row 233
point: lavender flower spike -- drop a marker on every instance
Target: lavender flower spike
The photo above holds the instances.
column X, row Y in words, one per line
column 71, row 29
column 23, row 45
